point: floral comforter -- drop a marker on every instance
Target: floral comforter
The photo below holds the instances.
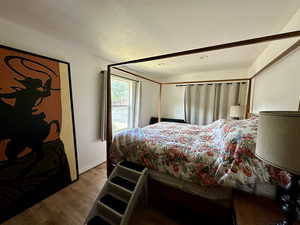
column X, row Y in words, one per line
column 221, row 153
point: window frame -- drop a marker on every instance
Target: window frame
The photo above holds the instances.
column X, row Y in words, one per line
column 130, row 104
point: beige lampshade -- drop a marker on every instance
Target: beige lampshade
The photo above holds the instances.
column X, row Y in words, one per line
column 235, row 111
column 278, row 140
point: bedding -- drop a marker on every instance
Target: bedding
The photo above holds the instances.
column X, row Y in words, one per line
column 221, row 153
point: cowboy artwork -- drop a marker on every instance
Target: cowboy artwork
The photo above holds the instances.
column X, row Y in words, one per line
column 33, row 159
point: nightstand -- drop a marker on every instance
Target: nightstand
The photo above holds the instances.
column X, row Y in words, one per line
column 255, row 210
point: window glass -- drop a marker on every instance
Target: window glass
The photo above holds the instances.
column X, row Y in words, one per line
column 121, row 103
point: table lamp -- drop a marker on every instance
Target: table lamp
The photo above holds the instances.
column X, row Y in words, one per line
column 278, row 144
column 235, row 112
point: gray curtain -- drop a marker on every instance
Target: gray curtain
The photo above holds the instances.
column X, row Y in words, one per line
column 137, row 95
column 103, row 104
column 199, row 103
column 205, row 103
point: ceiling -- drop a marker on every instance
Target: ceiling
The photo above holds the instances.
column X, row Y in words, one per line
column 120, row 30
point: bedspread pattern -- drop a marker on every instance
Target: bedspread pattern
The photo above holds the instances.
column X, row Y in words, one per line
column 221, row 153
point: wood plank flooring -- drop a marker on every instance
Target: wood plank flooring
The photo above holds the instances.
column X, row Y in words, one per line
column 71, row 205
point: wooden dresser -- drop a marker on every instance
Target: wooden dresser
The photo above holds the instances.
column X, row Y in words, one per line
column 254, row 210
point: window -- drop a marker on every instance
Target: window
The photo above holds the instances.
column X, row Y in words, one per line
column 122, row 103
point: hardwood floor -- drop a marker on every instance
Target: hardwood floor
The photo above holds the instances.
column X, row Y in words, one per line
column 71, row 205
column 68, row 206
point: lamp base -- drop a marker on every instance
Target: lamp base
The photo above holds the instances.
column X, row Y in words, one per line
column 289, row 201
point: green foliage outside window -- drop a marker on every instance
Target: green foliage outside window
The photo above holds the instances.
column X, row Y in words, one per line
column 120, row 92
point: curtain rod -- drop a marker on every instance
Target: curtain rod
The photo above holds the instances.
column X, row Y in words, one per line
column 184, row 85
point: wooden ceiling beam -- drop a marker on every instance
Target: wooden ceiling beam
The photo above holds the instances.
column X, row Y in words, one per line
column 214, row 47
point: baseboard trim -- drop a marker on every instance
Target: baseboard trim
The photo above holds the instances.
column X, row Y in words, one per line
column 87, row 168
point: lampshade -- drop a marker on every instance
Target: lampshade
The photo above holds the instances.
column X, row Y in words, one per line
column 235, row 111
column 278, row 140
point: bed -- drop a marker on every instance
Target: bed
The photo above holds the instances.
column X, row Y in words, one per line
column 205, row 160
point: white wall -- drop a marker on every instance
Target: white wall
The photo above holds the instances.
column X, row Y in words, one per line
column 172, row 101
column 149, row 101
column 278, row 87
column 85, row 68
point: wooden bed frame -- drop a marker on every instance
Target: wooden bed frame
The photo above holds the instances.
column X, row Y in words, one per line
column 190, row 52
column 176, row 203
column 163, row 193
